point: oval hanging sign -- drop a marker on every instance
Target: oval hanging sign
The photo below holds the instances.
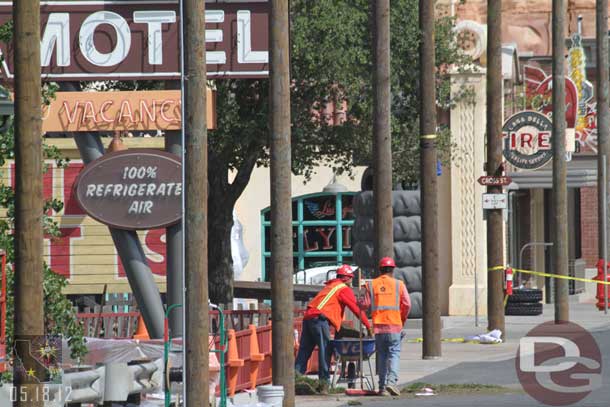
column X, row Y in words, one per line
column 132, row 190
column 527, row 140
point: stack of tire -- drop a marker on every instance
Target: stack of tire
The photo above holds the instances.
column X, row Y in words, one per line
column 407, row 241
column 524, row 301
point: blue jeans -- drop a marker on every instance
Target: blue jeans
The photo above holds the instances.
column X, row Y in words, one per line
column 387, row 347
column 316, row 332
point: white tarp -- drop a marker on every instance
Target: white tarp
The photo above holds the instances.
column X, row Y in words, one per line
column 239, row 253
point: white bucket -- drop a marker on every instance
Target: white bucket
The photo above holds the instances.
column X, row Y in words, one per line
column 271, row 395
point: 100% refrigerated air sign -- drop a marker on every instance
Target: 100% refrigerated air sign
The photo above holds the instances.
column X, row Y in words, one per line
column 133, row 190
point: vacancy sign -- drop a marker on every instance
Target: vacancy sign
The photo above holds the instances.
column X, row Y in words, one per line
column 140, row 39
column 127, row 111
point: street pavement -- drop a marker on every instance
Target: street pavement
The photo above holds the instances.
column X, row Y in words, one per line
column 467, row 363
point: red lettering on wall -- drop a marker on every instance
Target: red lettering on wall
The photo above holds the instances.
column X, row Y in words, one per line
column 61, row 250
column 309, row 248
column 326, row 237
column 347, row 237
column 47, row 181
column 154, row 250
column 71, row 207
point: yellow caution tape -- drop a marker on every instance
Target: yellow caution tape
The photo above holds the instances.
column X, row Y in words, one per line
column 428, row 136
column 539, row 273
column 448, row 340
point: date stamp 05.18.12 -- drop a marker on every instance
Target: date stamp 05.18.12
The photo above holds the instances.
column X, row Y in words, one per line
column 37, row 365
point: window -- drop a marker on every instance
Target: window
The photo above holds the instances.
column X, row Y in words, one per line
column 322, row 231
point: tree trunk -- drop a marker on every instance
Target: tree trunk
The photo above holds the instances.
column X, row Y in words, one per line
column 220, row 222
column 219, row 258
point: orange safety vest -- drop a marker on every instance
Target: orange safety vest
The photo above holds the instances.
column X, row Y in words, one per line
column 327, row 302
column 385, row 300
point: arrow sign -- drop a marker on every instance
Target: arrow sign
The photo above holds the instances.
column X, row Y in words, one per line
column 494, row 181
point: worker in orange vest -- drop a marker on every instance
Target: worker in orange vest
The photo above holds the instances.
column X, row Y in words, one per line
column 324, row 310
column 390, row 304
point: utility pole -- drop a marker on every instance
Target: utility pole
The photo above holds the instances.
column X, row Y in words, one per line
column 429, row 189
column 175, row 251
column 382, row 143
column 282, row 296
column 195, row 203
column 28, row 294
column 495, row 232
column 560, row 189
column 603, row 124
column 174, row 240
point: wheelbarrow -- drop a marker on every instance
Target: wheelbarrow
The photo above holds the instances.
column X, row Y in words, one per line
column 349, row 350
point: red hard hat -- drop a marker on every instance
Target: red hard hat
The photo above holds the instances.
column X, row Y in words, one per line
column 345, row 271
column 387, row 262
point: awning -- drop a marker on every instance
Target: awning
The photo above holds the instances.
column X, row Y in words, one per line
column 582, row 172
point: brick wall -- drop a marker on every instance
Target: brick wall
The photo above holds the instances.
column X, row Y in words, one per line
column 588, row 224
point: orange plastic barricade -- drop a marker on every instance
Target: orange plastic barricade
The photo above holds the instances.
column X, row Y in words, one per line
column 214, row 366
column 233, row 361
column 256, row 357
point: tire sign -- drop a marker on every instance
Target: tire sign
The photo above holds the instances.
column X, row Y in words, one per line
column 527, row 139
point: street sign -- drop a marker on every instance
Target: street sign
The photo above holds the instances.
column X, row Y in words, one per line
column 495, row 201
column 494, row 181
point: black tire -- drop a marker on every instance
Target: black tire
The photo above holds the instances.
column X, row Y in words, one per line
column 411, row 276
column 366, row 183
column 406, row 229
column 524, row 308
column 406, row 254
column 416, row 306
column 404, row 203
column 525, row 295
column 363, row 255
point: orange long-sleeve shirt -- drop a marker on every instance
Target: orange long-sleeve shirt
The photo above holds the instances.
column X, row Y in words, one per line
column 346, row 298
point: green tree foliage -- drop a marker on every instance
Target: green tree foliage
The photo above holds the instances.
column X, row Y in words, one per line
column 60, row 317
column 331, row 61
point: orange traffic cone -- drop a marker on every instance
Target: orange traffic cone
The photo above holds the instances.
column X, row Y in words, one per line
column 233, row 361
column 255, row 356
column 141, row 332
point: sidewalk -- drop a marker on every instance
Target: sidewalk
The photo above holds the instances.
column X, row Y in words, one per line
column 466, row 363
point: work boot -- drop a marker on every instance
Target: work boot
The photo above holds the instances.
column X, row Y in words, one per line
column 323, row 387
column 392, row 389
column 384, row 393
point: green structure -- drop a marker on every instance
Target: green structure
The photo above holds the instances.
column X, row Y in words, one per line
column 322, row 226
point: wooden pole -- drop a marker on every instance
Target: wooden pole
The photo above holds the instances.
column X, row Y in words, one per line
column 560, row 189
column 429, row 188
column 28, row 294
column 603, row 124
column 282, row 296
column 196, row 205
column 382, row 135
column 495, row 231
